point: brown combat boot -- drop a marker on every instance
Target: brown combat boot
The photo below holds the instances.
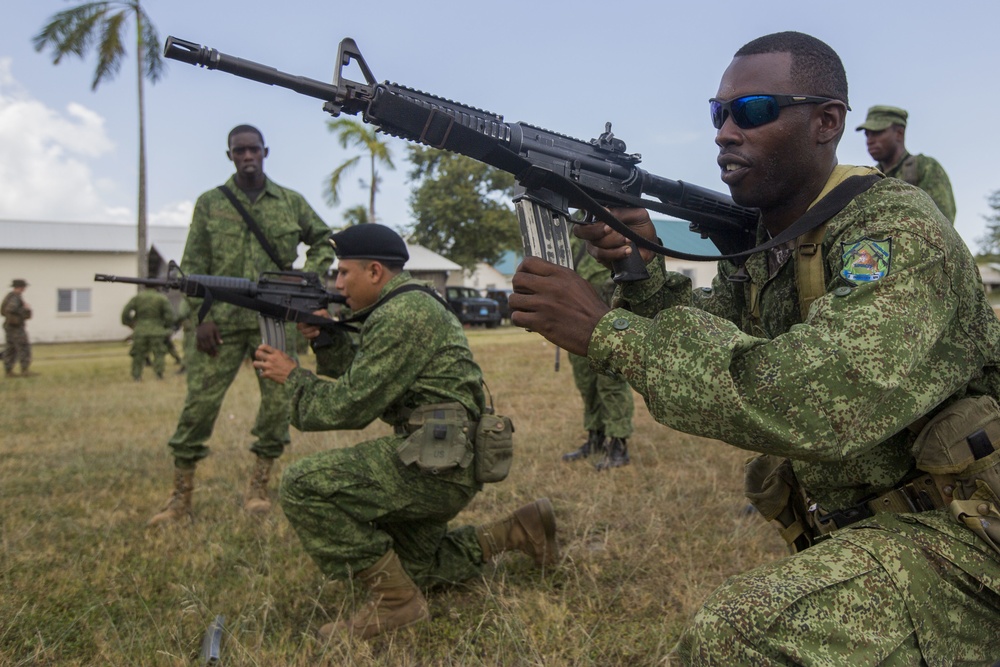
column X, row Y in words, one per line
column 178, row 507
column 257, row 500
column 530, row 529
column 394, row 602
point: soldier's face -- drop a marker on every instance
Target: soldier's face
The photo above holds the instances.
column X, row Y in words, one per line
column 358, row 280
column 882, row 145
column 764, row 165
column 247, row 152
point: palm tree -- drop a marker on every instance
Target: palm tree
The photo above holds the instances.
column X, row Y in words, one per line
column 102, row 25
column 351, row 132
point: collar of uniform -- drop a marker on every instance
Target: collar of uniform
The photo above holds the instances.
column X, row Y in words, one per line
column 270, row 187
column 840, row 174
column 396, row 281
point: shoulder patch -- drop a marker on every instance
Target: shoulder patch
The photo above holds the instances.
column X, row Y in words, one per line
column 866, row 260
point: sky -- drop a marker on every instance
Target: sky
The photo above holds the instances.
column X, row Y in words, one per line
column 68, row 153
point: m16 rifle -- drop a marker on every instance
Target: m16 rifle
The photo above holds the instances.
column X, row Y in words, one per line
column 556, row 173
column 277, row 297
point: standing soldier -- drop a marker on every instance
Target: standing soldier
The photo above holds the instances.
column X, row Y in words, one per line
column 607, row 401
column 885, row 134
column 15, row 312
column 151, row 317
column 248, row 226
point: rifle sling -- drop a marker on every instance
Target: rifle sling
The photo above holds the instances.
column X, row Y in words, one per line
column 396, row 292
column 254, row 227
column 437, row 129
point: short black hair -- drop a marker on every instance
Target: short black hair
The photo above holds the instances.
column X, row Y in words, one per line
column 240, row 129
column 816, row 67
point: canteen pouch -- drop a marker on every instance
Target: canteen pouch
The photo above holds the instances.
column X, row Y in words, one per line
column 770, row 485
column 494, row 448
column 958, row 447
column 438, row 439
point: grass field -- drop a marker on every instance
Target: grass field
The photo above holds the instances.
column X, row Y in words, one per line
column 84, row 464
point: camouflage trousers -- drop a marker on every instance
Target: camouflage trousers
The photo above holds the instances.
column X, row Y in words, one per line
column 208, row 379
column 894, row 590
column 142, row 348
column 350, row 506
column 607, row 402
column 17, row 350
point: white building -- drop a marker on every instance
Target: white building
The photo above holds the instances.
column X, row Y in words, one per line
column 59, row 260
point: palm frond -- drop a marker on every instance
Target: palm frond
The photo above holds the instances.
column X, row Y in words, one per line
column 152, row 58
column 110, row 49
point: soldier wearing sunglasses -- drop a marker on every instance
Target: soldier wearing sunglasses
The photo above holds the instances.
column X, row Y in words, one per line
column 829, row 383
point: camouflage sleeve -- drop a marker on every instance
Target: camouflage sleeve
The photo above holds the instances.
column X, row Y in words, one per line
column 128, row 313
column 934, row 181
column 390, row 357
column 826, row 389
column 197, row 257
column 316, row 235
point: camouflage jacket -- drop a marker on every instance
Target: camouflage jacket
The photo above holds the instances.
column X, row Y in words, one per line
column 411, row 351
column 903, row 327
column 927, row 174
column 14, row 311
column 219, row 242
column 149, row 313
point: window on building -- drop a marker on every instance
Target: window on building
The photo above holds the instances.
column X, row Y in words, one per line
column 73, row 301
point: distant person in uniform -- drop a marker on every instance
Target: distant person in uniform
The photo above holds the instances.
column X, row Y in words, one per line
column 16, row 312
column 608, row 405
column 151, row 318
column 885, row 134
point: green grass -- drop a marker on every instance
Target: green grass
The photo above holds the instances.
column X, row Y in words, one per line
column 84, row 464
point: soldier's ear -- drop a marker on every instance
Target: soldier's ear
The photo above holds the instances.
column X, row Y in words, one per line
column 267, row 151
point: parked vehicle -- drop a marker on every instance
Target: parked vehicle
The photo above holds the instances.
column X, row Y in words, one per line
column 472, row 308
column 500, row 296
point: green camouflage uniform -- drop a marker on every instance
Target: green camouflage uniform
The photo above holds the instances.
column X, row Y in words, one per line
column 834, row 394
column 928, row 175
column 350, row 506
column 607, row 401
column 17, row 349
column 220, row 244
column 151, row 318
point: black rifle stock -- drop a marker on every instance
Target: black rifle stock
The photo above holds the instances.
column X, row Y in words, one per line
column 278, row 296
column 555, row 172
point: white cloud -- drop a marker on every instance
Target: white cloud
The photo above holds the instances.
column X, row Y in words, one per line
column 45, row 159
column 175, row 215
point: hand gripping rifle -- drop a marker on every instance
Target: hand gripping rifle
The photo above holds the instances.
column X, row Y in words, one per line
column 555, row 172
column 278, row 297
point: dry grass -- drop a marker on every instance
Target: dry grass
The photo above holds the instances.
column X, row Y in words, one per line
column 84, row 464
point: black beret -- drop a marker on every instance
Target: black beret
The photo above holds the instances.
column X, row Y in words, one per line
column 19, row 283
column 369, row 241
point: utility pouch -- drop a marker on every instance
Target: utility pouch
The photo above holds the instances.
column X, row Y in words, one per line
column 958, row 447
column 438, row 440
column 770, row 485
column 494, row 448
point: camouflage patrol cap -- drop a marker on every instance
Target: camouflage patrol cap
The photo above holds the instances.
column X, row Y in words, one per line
column 19, row 283
column 883, row 117
column 369, row 241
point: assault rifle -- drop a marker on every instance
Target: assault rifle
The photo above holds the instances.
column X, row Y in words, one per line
column 277, row 296
column 555, row 172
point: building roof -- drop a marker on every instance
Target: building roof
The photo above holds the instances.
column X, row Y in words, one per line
column 89, row 237
column 422, row 259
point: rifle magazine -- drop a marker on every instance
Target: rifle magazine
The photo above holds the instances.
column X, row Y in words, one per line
column 272, row 332
column 545, row 233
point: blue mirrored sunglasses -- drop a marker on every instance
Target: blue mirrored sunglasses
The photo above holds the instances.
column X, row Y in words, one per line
column 756, row 110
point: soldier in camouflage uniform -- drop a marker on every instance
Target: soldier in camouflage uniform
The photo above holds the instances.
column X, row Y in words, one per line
column 885, row 135
column 900, row 329
column 220, row 243
column 607, row 401
column 375, row 511
column 15, row 312
column 151, row 317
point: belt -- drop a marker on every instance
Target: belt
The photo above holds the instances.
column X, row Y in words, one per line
column 918, row 495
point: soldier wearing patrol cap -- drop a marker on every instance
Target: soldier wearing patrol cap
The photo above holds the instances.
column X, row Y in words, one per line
column 885, row 130
column 379, row 511
column 16, row 311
